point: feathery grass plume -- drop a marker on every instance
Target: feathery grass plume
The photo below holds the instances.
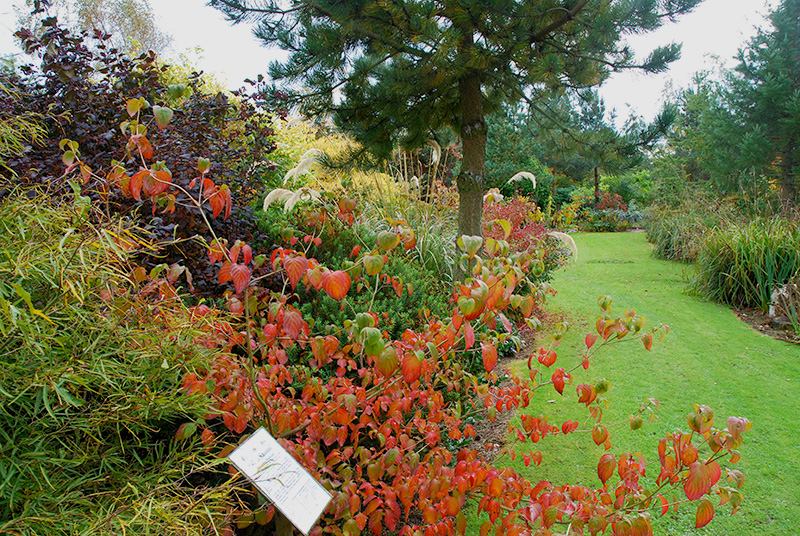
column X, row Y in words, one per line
column 437, row 151
column 523, row 175
column 493, row 196
column 564, row 237
column 290, row 198
column 278, row 194
column 308, row 159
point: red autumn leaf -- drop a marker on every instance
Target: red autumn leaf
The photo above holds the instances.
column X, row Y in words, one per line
column 489, row 354
column 547, row 357
column 144, row 146
column 647, row 340
column 469, row 335
column 705, row 513
column 336, row 284
column 293, row 323
column 641, row 527
column 412, row 367
column 558, row 380
column 216, row 251
column 701, row 477
column 664, row 504
column 136, row 183
column 599, row 434
column 586, row 394
column 157, row 182
column 606, row 466
column 241, row 276
column 527, row 306
column 247, row 254
column 207, row 437
column 569, row 426
column 506, row 323
column 225, row 273
column 295, row 268
column 591, row 338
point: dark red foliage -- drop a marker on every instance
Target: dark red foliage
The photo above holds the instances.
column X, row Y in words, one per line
column 80, row 89
column 518, row 211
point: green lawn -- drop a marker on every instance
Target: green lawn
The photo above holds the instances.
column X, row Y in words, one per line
column 710, row 357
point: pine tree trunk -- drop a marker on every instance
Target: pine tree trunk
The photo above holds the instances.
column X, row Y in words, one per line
column 787, row 177
column 471, row 179
column 596, row 188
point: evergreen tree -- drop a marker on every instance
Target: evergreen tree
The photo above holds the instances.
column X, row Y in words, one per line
column 765, row 94
column 397, row 70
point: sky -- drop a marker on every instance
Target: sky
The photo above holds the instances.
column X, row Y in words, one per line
column 711, row 36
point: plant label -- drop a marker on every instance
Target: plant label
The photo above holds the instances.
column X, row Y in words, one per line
column 281, row 479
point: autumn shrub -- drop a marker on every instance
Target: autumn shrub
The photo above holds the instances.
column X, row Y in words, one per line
column 742, row 264
column 79, row 89
column 387, row 424
column 90, row 369
column 609, row 213
column 405, row 299
column 527, row 231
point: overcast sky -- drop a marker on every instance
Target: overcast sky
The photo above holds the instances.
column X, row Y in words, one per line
column 711, row 35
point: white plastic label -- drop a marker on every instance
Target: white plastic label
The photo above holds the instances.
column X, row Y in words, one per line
column 281, row 479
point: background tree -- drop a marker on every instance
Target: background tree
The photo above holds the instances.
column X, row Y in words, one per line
column 572, row 135
column 765, row 93
column 397, row 71
column 131, row 23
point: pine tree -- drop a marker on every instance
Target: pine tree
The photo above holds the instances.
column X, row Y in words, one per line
column 765, row 94
column 397, row 70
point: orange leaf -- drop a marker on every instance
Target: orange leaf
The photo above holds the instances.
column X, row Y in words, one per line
column 664, row 504
column 599, row 434
column 295, row 268
column 647, row 340
column 489, row 354
column 606, row 466
column 412, row 367
column 293, row 323
column 241, row 277
column 144, row 147
column 469, row 335
column 586, row 394
column 701, row 477
column 336, row 284
column 527, row 306
column 705, row 513
column 496, row 487
column 136, row 183
column 641, row 527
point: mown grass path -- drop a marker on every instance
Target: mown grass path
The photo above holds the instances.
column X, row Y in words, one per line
column 710, row 357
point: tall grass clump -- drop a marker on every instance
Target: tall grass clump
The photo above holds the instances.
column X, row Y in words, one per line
column 742, row 264
column 678, row 233
column 90, row 386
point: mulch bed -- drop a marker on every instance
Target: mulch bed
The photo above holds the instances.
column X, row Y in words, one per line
column 762, row 323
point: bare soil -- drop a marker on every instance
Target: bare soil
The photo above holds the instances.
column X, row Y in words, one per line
column 762, row 323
